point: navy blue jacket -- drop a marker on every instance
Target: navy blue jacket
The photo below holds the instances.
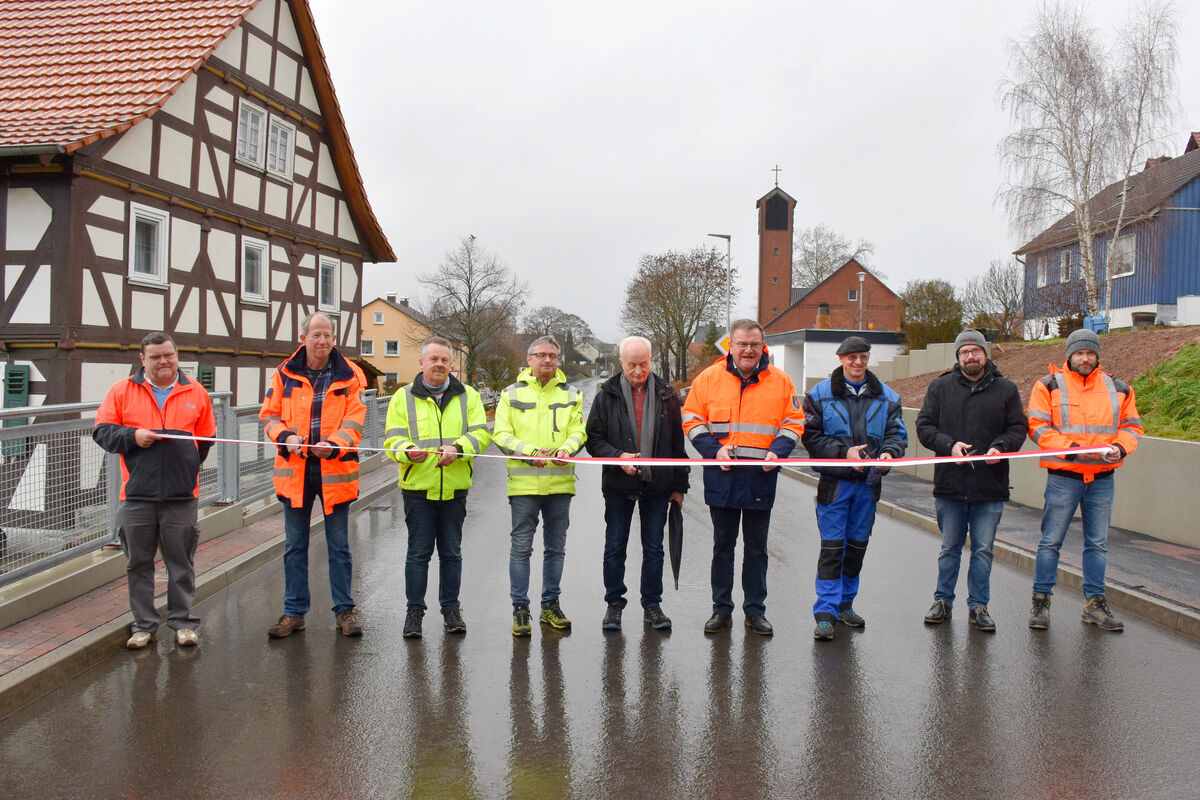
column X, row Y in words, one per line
column 835, row 419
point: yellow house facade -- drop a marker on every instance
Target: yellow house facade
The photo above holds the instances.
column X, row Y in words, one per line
column 390, row 341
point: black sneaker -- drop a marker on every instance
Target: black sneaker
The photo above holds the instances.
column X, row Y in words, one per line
column 757, row 623
column 1039, row 614
column 938, row 613
column 848, row 616
column 612, row 617
column 412, row 623
column 719, row 621
column 453, row 621
column 979, row 617
column 824, row 631
column 655, row 618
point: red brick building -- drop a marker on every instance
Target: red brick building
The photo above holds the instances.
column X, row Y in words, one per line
column 836, row 303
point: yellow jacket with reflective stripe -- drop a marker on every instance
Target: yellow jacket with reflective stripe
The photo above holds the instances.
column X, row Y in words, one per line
column 287, row 409
column 1066, row 410
column 415, row 419
column 530, row 417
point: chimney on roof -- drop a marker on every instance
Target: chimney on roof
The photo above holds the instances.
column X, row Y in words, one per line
column 1154, row 162
column 404, row 302
column 391, row 297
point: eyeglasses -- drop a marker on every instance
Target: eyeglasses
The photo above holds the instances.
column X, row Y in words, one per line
column 971, row 351
column 544, row 355
column 862, row 357
column 747, row 345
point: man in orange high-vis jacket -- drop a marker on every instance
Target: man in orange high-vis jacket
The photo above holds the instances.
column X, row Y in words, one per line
column 1080, row 406
column 314, row 413
column 741, row 407
column 159, row 483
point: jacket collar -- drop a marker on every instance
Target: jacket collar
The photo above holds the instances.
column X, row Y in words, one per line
column 990, row 373
column 298, row 364
column 764, row 364
column 526, row 376
column 837, row 384
column 613, row 384
column 139, row 377
column 418, row 388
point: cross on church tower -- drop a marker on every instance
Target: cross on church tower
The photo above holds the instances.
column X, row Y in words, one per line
column 777, row 170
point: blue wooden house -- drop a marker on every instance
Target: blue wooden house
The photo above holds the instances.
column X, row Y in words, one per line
column 1156, row 276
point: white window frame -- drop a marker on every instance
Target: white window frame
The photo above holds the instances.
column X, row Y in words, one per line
column 1064, row 267
column 367, row 347
column 1041, row 271
column 162, row 222
column 336, row 266
column 852, row 295
column 378, row 317
column 391, row 347
column 242, row 144
column 1126, row 258
column 391, row 377
column 283, row 170
column 264, row 266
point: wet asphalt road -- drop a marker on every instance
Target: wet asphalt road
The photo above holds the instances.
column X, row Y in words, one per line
column 898, row 710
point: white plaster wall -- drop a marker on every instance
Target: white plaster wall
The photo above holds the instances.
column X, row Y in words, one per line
column 106, row 243
column 216, row 323
column 93, row 310
column 222, row 252
column 300, row 165
column 1188, row 310
column 182, row 104
column 285, row 74
column 287, row 32
column 109, row 207
column 258, row 55
column 351, row 330
column 95, row 379
column 146, row 310
column 308, row 95
column 27, row 219
column 218, row 126
column 189, row 316
column 345, row 223
column 249, row 389
column 279, row 280
column 301, row 208
column 246, row 188
column 254, row 323
column 175, row 157
column 276, row 200
column 326, row 174
column 34, row 306
column 325, row 211
column 262, row 16
column 222, row 379
column 185, row 244
column 1123, row 317
column 230, row 50
column 349, row 282
column 286, row 335
column 132, row 149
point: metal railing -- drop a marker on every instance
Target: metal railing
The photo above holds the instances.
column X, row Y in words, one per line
column 59, row 491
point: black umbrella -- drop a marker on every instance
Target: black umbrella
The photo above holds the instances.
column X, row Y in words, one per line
column 675, row 538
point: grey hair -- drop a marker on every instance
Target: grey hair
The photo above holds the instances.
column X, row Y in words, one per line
column 629, row 339
column 158, row 337
column 308, row 318
column 746, row 325
column 443, row 341
column 543, row 340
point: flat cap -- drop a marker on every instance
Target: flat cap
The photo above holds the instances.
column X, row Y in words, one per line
column 854, row 344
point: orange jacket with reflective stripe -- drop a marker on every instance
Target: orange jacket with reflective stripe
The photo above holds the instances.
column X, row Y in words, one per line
column 1067, row 410
column 287, row 409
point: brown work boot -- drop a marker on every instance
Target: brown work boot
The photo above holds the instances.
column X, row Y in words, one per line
column 285, row 627
column 347, row 623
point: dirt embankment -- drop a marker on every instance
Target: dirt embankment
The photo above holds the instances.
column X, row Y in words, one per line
column 1124, row 355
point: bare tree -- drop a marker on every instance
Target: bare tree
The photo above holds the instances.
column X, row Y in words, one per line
column 818, row 252
column 669, row 296
column 473, row 297
column 1084, row 115
column 568, row 329
column 996, row 297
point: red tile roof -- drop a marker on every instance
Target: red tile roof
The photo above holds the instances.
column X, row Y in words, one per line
column 76, row 71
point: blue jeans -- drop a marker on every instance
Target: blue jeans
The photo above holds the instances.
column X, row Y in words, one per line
column 845, row 525
column 430, row 523
column 618, row 517
column 1063, row 496
column 296, row 521
column 755, row 524
column 555, row 510
column 954, row 518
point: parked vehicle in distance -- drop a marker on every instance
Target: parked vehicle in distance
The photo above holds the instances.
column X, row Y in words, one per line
column 603, row 373
column 487, row 395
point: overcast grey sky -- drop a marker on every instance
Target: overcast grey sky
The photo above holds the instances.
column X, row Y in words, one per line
column 572, row 138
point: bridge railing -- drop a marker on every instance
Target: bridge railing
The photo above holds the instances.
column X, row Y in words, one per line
column 59, row 491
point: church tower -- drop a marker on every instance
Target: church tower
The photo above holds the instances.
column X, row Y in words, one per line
column 775, row 210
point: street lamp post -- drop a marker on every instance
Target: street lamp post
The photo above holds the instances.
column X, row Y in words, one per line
column 728, row 274
column 861, row 277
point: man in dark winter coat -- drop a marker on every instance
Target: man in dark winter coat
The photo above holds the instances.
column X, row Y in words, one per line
column 970, row 410
column 636, row 414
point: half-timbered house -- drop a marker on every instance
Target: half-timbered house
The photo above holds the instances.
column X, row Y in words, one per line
column 177, row 165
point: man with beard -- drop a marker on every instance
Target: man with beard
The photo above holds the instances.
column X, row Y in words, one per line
column 972, row 409
column 1080, row 406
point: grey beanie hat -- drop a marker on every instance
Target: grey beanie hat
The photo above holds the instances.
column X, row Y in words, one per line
column 854, row 344
column 1083, row 339
column 974, row 337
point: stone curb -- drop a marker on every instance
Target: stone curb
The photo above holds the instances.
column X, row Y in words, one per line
column 30, row 681
column 1157, row 609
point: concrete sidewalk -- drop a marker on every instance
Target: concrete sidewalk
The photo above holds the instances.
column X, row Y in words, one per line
column 48, row 649
column 1152, row 578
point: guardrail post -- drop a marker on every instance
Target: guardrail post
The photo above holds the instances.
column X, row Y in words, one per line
column 372, row 422
column 229, row 472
